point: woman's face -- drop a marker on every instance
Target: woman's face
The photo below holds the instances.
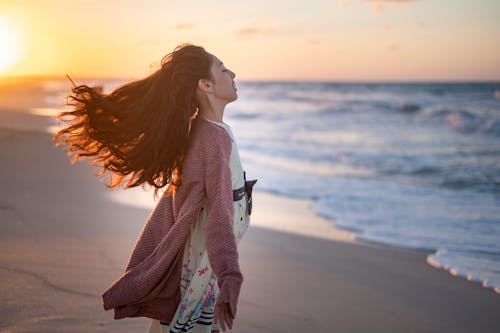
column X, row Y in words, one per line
column 224, row 87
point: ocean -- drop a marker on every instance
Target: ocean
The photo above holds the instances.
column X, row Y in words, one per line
column 412, row 165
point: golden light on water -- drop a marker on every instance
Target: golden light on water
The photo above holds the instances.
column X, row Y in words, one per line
column 11, row 44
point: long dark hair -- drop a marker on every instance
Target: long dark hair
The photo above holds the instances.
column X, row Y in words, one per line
column 139, row 132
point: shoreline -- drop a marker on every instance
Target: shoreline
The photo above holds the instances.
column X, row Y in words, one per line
column 338, row 233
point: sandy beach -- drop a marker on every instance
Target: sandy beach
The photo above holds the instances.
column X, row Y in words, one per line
column 63, row 241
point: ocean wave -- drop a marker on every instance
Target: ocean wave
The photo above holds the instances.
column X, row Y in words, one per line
column 247, row 115
column 425, row 170
column 298, row 165
column 459, row 263
column 463, row 120
column 409, row 107
column 419, row 171
column 460, row 180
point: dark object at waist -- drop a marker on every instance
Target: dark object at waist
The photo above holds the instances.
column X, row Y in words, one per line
column 239, row 193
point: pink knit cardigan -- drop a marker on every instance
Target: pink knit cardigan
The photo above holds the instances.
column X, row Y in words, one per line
column 150, row 286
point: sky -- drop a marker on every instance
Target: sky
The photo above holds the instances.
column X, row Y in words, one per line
column 313, row 40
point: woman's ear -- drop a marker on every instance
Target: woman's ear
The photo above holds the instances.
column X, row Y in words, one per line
column 205, row 85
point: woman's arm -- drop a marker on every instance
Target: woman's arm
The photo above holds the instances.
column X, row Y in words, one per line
column 219, row 230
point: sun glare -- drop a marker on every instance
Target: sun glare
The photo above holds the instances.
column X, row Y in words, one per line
column 11, row 45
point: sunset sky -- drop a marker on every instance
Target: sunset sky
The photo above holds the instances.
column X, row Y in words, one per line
column 353, row 40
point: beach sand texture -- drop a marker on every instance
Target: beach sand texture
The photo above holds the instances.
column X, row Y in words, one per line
column 63, row 242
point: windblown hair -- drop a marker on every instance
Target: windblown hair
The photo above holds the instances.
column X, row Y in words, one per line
column 139, row 132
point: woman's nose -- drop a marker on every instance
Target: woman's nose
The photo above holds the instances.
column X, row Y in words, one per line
column 233, row 75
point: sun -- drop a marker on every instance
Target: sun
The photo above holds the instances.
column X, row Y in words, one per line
column 11, row 45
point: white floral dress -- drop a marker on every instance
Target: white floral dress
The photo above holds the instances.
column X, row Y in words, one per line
column 199, row 289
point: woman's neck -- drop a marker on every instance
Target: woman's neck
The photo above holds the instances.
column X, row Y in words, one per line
column 216, row 115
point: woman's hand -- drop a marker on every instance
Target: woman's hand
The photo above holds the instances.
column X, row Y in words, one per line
column 223, row 316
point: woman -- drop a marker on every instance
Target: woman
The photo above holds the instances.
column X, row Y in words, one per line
column 167, row 130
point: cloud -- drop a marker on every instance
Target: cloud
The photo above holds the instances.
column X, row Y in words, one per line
column 313, row 41
column 378, row 5
column 255, row 29
column 184, row 26
column 393, row 47
column 342, row 3
column 386, row 27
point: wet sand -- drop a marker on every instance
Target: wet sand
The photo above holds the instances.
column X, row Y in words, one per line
column 63, row 241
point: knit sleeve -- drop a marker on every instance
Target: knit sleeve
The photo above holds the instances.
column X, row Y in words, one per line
column 219, row 232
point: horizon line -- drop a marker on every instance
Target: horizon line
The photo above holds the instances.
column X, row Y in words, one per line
column 277, row 80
